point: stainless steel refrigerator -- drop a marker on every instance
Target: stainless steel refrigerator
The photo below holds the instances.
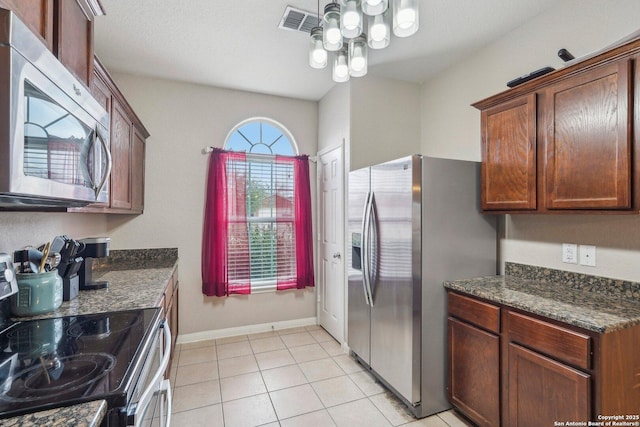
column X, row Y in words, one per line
column 413, row 223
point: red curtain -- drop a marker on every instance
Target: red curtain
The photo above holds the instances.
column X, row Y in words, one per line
column 226, row 259
column 299, row 248
column 215, row 229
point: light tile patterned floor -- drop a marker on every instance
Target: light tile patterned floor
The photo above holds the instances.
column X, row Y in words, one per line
column 288, row 378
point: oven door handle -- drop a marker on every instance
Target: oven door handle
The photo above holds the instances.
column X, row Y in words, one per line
column 146, row 396
column 166, row 388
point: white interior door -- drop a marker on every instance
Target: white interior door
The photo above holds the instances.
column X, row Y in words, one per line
column 331, row 241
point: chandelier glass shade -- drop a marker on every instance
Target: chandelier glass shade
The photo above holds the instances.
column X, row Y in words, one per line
column 374, row 7
column 332, row 37
column 379, row 30
column 317, row 54
column 340, row 72
column 350, row 27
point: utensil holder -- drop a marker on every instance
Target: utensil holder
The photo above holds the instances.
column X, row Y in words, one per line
column 37, row 293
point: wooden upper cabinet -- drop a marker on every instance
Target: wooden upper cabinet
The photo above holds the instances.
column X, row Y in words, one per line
column 588, row 139
column 568, row 141
column 137, row 171
column 73, row 40
column 121, row 129
column 36, row 14
column 509, row 155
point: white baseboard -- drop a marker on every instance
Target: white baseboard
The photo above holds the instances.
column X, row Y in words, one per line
column 245, row 330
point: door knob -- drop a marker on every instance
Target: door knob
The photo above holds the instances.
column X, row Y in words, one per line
column 337, row 255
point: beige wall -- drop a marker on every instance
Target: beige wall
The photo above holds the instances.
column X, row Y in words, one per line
column 19, row 229
column 385, row 120
column 334, row 117
column 451, row 128
column 183, row 119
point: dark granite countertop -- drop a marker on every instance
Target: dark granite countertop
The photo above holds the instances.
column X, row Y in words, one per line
column 596, row 304
column 137, row 279
column 88, row 414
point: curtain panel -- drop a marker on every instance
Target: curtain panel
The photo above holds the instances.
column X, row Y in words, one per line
column 232, row 230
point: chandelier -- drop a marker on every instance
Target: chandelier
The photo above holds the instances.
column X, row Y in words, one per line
column 351, row 27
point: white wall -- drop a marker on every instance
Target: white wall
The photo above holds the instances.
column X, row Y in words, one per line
column 183, row 119
column 451, row 127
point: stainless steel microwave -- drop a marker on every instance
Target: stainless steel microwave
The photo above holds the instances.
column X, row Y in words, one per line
column 54, row 137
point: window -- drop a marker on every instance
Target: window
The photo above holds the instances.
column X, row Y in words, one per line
column 257, row 232
column 264, row 229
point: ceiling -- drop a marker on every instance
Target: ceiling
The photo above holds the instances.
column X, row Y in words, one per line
column 237, row 44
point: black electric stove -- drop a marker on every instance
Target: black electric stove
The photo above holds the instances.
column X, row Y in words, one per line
column 63, row 361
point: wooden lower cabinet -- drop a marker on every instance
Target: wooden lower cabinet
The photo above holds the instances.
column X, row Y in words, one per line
column 543, row 391
column 170, row 305
column 474, row 388
column 510, row 368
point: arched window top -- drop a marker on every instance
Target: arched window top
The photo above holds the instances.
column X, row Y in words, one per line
column 261, row 135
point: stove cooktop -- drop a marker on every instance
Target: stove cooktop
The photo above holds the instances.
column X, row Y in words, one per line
column 63, row 361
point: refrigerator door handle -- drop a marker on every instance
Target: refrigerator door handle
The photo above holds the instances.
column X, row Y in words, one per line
column 365, row 274
column 366, row 245
column 372, row 253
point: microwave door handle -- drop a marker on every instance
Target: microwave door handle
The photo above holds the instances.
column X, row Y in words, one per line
column 143, row 402
column 107, row 172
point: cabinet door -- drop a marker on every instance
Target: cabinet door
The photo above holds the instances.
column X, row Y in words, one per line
column 588, row 140
column 509, row 155
column 542, row 391
column 73, row 42
column 474, row 372
column 36, row 14
column 137, row 171
column 121, row 129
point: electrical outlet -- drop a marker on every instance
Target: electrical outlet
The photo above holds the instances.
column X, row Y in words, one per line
column 570, row 253
column 588, row 255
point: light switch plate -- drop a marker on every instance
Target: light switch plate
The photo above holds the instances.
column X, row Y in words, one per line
column 570, row 253
column 588, row 255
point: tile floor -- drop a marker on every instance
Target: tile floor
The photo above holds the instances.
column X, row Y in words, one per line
column 293, row 377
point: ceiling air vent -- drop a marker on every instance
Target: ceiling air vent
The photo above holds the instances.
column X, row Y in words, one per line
column 298, row 20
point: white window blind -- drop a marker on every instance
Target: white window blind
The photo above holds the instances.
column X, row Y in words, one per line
column 263, row 251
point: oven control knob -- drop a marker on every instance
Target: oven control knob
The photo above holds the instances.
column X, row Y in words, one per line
column 6, row 276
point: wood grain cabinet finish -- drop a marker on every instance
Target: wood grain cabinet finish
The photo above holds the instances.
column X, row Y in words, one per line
column 473, row 373
column 566, row 142
column 588, row 140
column 128, row 149
column 535, row 370
column 138, row 150
column 543, row 391
column 170, row 305
column 73, row 37
column 509, row 155
column 121, row 135
column 36, row 14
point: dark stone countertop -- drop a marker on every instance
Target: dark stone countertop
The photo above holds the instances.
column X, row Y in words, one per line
column 597, row 304
column 137, row 279
column 88, row 414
